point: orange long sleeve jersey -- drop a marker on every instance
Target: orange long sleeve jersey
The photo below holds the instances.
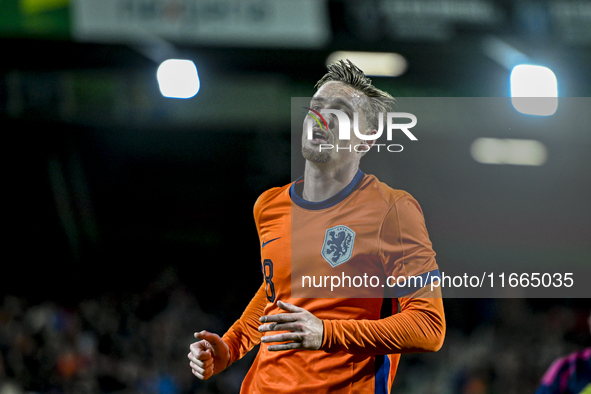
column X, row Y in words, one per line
column 366, row 229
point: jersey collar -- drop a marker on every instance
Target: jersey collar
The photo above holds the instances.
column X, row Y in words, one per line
column 296, row 189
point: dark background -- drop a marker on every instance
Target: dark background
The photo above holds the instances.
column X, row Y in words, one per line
column 128, row 215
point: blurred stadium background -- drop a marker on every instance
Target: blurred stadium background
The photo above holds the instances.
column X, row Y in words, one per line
column 129, row 214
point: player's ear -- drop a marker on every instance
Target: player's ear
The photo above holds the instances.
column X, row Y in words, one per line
column 368, row 143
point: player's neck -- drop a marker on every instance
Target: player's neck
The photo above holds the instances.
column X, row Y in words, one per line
column 323, row 181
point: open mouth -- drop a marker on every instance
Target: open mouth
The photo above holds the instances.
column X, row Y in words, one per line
column 319, row 136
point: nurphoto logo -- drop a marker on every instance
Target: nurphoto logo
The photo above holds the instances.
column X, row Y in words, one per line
column 315, row 117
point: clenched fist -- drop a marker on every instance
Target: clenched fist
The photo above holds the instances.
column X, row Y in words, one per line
column 209, row 356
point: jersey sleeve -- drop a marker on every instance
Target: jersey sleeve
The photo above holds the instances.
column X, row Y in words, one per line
column 244, row 333
column 419, row 327
column 405, row 249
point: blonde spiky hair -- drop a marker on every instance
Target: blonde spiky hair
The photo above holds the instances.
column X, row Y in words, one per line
column 346, row 72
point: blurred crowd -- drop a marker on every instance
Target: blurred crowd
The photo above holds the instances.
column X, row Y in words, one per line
column 126, row 343
column 137, row 343
column 497, row 346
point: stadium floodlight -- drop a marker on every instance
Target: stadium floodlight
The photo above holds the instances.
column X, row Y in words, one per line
column 178, row 78
column 376, row 64
column 509, row 151
column 534, row 90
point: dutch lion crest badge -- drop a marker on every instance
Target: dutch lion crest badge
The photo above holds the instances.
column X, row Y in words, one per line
column 338, row 245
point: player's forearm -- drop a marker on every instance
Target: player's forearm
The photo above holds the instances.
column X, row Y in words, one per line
column 420, row 327
column 244, row 333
